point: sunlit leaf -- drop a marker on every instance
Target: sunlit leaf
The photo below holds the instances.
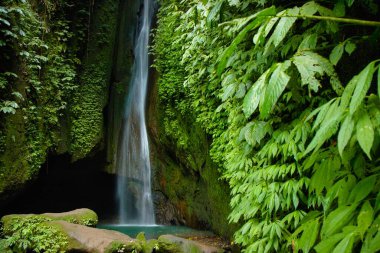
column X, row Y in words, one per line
column 336, row 53
column 362, row 189
column 276, row 85
column 362, row 85
column 336, row 220
column 252, row 99
column 365, row 218
column 345, row 133
column 365, row 132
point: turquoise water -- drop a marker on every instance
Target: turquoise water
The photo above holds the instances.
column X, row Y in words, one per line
column 155, row 231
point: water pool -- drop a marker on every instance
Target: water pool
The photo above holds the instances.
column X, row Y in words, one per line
column 155, row 231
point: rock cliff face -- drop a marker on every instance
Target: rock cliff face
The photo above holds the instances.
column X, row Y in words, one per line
column 186, row 182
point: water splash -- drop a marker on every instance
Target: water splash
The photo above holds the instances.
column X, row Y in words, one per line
column 133, row 162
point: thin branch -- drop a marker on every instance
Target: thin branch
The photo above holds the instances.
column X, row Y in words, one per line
column 336, row 19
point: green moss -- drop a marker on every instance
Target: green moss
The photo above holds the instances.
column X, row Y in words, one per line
column 90, row 99
column 85, row 217
column 42, row 72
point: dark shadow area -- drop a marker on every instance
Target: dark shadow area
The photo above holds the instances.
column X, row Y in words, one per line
column 63, row 186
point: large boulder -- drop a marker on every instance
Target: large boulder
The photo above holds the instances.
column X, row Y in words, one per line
column 94, row 240
column 82, row 216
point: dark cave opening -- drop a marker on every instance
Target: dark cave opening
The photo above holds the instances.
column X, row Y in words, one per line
column 63, row 186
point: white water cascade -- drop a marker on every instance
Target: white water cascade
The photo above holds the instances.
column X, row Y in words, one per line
column 133, row 163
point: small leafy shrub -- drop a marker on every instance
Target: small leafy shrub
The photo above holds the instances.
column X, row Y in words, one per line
column 33, row 234
column 120, row 247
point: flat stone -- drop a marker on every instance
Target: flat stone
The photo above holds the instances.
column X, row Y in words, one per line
column 189, row 246
column 91, row 240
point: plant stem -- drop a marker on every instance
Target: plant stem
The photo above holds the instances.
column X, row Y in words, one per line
column 342, row 20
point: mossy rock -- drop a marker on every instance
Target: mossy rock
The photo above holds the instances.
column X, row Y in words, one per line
column 93, row 240
column 81, row 216
column 180, row 245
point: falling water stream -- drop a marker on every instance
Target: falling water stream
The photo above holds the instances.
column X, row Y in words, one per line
column 133, row 164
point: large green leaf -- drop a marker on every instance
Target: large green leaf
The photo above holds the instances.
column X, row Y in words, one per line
column 337, row 53
column 283, row 26
column 312, row 67
column 362, row 85
column 346, row 245
column 327, row 128
column 327, row 245
column 277, row 83
column 345, row 133
column 372, row 239
column 259, row 17
column 365, row 133
column 309, row 9
column 347, row 93
column 362, row 189
column 252, row 99
column 336, row 220
column 309, row 235
column 214, row 13
column 365, row 218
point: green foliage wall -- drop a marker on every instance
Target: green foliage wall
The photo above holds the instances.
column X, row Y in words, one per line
column 51, row 91
column 90, row 99
column 183, row 169
column 36, row 81
column 293, row 122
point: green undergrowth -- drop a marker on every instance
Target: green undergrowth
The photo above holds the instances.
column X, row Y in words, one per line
column 293, row 123
column 32, row 233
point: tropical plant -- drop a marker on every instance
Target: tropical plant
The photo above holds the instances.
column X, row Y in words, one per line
column 34, row 233
column 294, row 123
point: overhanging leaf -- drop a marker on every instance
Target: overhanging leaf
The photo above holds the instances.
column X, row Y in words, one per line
column 365, row 133
column 336, row 220
column 337, row 53
column 362, row 189
column 345, row 133
column 350, row 47
column 277, row 83
column 365, row 218
column 327, row 129
column 283, row 26
column 309, row 9
column 309, row 235
column 214, row 13
column 362, row 85
column 346, row 245
column 252, row 99
column 327, row 245
column 312, row 67
column 258, row 19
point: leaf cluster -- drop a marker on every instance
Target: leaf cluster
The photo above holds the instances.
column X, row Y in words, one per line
column 294, row 124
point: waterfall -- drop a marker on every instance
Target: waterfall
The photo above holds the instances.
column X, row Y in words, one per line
column 134, row 192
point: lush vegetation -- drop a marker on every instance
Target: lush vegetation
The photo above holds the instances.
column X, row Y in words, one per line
column 36, row 83
column 33, row 233
column 288, row 94
column 53, row 82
